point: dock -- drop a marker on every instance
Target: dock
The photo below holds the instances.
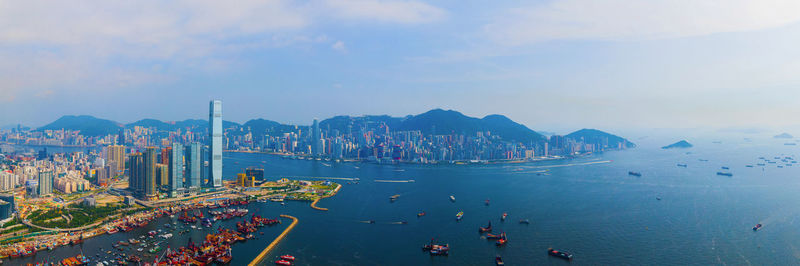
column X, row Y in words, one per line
column 275, row 242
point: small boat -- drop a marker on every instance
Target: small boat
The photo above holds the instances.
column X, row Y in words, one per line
column 440, row 250
column 287, row 257
column 283, row 262
column 658, row 198
column 498, row 261
column 452, row 198
column 725, row 168
column 420, row 214
column 634, row 173
column 749, row 166
column 503, row 218
column 758, row 226
column 682, row 165
column 488, row 228
column 459, row 215
column 492, row 237
column 487, row 202
column 524, row 221
column 560, row 254
column 393, row 198
column 724, row 173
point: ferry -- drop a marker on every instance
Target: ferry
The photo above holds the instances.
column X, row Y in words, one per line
column 459, row 215
column 452, row 198
column 634, row 173
column 724, row 174
column 758, row 226
column 560, row 254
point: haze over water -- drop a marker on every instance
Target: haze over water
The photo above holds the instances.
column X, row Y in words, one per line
column 590, row 207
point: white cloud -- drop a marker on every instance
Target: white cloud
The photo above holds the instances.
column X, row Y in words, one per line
column 637, row 20
column 339, row 47
column 409, row 12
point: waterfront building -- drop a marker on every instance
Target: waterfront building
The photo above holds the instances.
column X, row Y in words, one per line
column 215, row 142
column 256, row 173
column 45, row 183
column 176, row 170
column 194, row 166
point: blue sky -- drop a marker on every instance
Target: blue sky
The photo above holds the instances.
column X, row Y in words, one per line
column 551, row 65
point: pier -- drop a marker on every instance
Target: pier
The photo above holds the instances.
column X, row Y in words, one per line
column 275, row 242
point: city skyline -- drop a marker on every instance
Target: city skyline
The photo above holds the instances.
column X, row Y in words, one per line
column 547, row 64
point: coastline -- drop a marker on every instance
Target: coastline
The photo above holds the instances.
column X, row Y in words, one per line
column 314, row 203
column 275, row 242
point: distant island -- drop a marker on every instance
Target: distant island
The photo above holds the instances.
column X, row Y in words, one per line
column 783, row 136
column 680, row 144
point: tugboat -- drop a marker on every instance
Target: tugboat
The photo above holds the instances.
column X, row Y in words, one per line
column 488, row 228
column 420, row 214
column 459, row 215
column 560, row 254
column 498, row 261
column 758, row 226
column 637, row 174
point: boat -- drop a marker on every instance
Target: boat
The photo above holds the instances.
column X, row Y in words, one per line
column 420, row 214
column 488, row 228
column 440, row 250
column 634, row 173
column 524, row 221
column 503, row 240
column 503, row 218
column 498, row 261
column 682, row 165
column 749, row 165
column 459, row 215
column 758, row 226
column 287, row 257
column 393, row 198
column 452, row 198
column 724, row 173
column 492, row 237
column 725, row 168
column 283, row 262
column 487, row 202
column 559, row 254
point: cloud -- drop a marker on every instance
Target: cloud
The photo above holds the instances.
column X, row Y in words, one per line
column 339, row 47
column 408, row 12
column 636, row 20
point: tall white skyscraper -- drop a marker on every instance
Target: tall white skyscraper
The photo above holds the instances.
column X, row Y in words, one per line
column 215, row 143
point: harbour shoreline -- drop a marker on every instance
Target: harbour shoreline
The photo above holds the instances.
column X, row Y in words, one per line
column 275, row 242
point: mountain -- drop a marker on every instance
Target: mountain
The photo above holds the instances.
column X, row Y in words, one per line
column 784, row 136
column 594, row 136
column 440, row 122
column 263, row 126
column 195, row 125
column 86, row 124
column 680, row 144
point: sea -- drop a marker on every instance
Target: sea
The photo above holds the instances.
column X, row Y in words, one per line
column 590, row 207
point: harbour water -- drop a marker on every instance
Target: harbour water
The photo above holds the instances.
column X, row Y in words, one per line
column 590, row 207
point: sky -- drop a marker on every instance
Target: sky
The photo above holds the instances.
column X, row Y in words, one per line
column 551, row 65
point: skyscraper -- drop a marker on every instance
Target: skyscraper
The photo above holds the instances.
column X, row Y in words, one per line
column 194, row 166
column 116, row 154
column 215, row 138
column 176, row 170
column 150, row 159
column 315, row 138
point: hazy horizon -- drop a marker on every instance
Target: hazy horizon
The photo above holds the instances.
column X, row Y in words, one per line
column 551, row 65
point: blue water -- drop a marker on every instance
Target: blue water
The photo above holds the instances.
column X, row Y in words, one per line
column 590, row 207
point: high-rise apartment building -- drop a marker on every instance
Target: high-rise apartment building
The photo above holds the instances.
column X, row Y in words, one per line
column 136, row 174
column 150, row 159
column 176, row 170
column 215, row 142
column 45, row 183
column 116, row 154
column 194, row 166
